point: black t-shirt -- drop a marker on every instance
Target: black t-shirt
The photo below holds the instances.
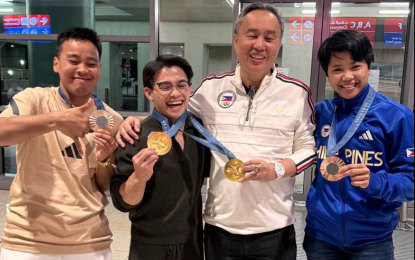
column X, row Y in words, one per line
column 171, row 209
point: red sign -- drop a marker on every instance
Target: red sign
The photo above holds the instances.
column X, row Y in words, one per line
column 301, row 30
column 366, row 25
column 127, row 66
column 10, row 21
column 394, row 25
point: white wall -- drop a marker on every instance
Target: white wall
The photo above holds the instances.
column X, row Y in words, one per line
column 195, row 36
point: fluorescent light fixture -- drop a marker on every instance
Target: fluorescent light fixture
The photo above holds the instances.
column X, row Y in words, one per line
column 309, row 11
column 230, row 3
column 6, row 10
column 335, row 12
column 336, row 4
column 395, row 4
column 10, row 72
column 394, row 12
column 309, row 4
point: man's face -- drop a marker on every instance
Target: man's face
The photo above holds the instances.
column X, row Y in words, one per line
column 79, row 67
column 170, row 103
column 346, row 76
column 258, row 42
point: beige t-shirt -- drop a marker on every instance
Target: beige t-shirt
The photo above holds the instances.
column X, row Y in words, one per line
column 56, row 206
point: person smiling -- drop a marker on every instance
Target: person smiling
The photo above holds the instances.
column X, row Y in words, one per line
column 163, row 193
column 57, row 199
column 266, row 120
column 352, row 213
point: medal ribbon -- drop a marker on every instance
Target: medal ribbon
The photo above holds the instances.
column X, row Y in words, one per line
column 165, row 123
column 210, row 142
column 332, row 147
column 98, row 102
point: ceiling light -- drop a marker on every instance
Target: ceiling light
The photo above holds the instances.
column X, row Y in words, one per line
column 230, row 3
column 12, row 46
column 395, row 4
column 22, row 62
column 335, row 11
column 309, row 11
column 336, row 4
column 297, row 4
column 10, row 72
column 6, row 10
column 309, row 4
column 394, row 12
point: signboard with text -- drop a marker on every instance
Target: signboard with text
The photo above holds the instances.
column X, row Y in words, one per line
column 393, row 32
column 366, row 25
column 27, row 24
column 301, row 30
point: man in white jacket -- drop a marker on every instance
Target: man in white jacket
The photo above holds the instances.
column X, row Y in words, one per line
column 266, row 120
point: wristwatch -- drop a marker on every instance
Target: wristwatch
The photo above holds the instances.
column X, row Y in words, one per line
column 279, row 170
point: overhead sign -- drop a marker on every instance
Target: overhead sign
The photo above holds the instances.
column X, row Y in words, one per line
column 366, row 25
column 393, row 32
column 27, row 24
column 301, row 30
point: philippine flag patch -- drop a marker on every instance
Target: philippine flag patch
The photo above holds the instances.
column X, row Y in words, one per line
column 227, row 99
column 410, row 152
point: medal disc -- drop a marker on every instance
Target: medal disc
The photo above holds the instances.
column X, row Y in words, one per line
column 101, row 119
column 330, row 168
column 160, row 141
column 233, row 170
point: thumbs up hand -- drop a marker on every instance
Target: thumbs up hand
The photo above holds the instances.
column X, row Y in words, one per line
column 75, row 124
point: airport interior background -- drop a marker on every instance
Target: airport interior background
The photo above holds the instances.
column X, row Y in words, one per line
column 135, row 31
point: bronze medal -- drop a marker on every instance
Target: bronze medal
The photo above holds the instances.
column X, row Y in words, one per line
column 160, row 141
column 101, row 119
column 330, row 168
column 233, row 170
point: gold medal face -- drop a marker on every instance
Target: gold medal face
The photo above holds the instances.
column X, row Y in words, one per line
column 233, row 170
column 160, row 141
column 101, row 119
column 330, row 168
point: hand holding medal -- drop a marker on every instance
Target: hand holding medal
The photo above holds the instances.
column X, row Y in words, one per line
column 332, row 165
column 161, row 142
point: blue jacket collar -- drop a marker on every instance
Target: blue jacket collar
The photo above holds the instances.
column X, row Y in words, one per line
column 349, row 105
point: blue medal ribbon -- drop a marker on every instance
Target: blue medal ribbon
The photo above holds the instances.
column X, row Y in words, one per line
column 170, row 131
column 98, row 102
column 210, row 142
column 332, row 147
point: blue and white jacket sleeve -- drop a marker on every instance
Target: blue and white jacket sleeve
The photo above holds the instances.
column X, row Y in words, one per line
column 398, row 184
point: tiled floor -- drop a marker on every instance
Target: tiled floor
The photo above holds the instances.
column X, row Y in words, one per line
column 120, row 226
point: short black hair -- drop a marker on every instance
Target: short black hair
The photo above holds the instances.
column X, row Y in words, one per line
column 357, row 43
column 165, row 61
column 262, row 7
column 79, row 34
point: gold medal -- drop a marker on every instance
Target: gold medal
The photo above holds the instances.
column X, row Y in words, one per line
column 160, row 141
column 233, row 170
column 330, row 168
column 101, row 119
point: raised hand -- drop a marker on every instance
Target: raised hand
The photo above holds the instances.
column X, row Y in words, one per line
column 105, row 144
column 144, row 163
column 75, row 124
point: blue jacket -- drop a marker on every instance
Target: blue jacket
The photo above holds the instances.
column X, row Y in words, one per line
column 348, row 216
